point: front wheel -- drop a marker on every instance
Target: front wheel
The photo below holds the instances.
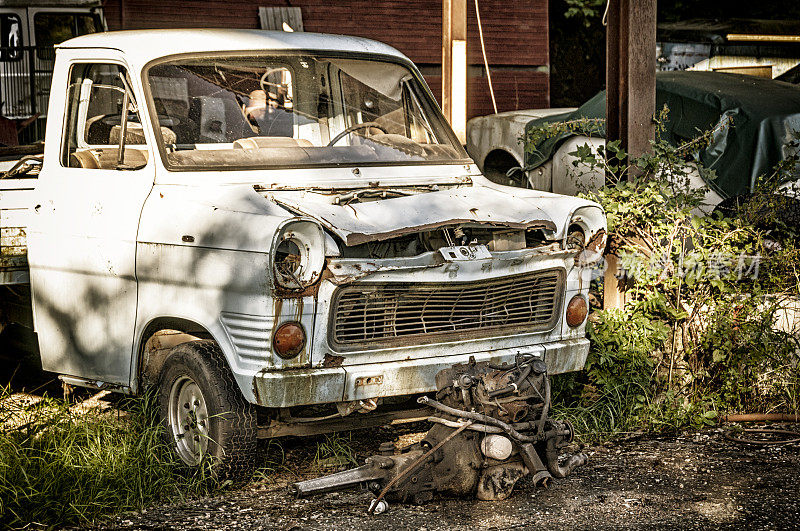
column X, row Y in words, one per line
column 204, row 414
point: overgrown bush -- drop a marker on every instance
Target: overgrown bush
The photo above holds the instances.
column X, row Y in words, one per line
column 64, row 466
column 705, row 328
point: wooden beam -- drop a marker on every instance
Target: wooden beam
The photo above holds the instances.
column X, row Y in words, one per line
column 454, row 65
column 631, row 74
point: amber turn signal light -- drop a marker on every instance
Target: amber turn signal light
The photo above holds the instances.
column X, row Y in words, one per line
column 577, row 310
column 288, row 340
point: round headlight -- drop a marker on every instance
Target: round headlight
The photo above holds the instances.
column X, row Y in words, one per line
column 577, row 310
column 298, row 255
column 288, row 340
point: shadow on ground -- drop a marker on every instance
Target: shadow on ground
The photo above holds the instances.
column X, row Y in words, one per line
column 697, row 481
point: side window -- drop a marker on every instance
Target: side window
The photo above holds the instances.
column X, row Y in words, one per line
column 54, row 28
column 102, row 128
column 10, row 38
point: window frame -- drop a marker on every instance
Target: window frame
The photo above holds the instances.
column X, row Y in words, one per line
column 65, row 130
column 18, row 50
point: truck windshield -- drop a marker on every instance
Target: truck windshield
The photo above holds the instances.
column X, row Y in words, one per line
column 254, row 111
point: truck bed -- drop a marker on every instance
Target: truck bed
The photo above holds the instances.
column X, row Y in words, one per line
column 15, row 200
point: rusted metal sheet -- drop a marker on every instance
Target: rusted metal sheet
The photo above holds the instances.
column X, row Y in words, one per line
column 281, row 428
column 358, row 223
column 296, row 387
column 15, row 199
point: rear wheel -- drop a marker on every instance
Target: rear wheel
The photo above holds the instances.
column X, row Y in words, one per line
column 205, row 416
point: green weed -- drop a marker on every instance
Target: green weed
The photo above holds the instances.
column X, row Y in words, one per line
column 60, row 466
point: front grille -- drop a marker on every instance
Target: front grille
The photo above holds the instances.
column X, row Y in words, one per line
column 371, row 315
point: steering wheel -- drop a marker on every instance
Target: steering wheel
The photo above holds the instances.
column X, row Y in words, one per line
column 356, row 127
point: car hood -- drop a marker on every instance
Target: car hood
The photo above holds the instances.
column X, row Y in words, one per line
column 356, row 222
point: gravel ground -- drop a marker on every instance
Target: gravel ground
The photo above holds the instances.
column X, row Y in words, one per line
column 697, row 481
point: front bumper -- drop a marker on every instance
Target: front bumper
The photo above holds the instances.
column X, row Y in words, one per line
column 287, row 388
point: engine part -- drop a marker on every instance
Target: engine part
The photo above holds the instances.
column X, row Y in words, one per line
column 491, row 428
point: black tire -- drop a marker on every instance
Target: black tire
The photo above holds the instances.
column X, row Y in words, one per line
column 224, row 429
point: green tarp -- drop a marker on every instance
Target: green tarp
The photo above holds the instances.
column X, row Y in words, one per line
column 763, row 116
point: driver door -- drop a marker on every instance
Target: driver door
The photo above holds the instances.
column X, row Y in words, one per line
column 84, row 227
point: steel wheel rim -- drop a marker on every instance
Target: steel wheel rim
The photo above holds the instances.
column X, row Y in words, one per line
column 188, row 420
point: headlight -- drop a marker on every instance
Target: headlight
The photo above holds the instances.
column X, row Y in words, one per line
column 298, row 255
column 587, row 234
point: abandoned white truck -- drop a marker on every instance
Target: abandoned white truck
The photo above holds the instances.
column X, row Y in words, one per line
column 276, row 231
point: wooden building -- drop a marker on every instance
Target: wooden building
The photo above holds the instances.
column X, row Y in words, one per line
column 515, row 33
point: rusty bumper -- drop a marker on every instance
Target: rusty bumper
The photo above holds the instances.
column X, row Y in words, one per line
column 298, row 387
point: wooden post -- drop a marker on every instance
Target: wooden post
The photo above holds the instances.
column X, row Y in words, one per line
column 631, row 74
column 630, row 96
column 613, row 296
column 454, row 65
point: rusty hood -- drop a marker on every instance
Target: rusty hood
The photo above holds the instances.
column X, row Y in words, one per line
column 356, row 222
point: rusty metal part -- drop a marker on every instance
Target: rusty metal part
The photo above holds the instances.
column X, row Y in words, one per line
column 541, row 477
column 765, row 442
column 337, row 481
column 497, row 482
column 289, row 339
column 472, row 415
column 761, row 417
column 562, row 471
column 415, row 464
column 331, row 360
column 284, row 428
column 597, row 242
column 470, row 451
column 483, row 428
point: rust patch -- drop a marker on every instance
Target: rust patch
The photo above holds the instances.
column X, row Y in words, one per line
column 597, row 242
column 310, row 291
column 369, row 380
column 332, row 361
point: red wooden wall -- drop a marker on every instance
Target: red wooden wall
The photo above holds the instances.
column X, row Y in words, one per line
column 515, row 32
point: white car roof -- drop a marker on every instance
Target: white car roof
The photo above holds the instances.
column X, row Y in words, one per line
column 142, row 46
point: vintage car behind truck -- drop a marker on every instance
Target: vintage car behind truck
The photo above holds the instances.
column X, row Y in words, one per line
column 275, row 231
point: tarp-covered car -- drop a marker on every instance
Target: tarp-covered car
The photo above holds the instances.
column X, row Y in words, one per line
column 754, row 122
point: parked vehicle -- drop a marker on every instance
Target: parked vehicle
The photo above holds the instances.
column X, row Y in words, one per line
column 764, row 48
column 495, row 142
column 756, row 123
column 28, row 32
column 276, row 222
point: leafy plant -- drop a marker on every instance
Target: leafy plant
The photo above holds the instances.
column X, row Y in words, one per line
column 706, row 326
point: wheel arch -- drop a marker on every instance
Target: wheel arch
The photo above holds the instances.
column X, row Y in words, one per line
column 497, row 162
column 157, row 337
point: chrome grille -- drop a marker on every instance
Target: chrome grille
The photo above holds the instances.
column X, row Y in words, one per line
column 393, row 314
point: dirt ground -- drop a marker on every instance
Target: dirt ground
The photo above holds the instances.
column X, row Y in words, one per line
column 696, row 481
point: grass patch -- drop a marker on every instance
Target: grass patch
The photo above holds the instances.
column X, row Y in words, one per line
column 62, row 466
